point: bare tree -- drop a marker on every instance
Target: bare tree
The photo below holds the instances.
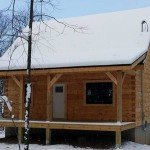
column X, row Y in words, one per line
column 7, row 32
column 5, row 41
column 16, row 23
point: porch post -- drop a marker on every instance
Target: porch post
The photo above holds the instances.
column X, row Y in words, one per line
column 49, row 109
column 50, row 83
column 119, row 106
column 21, row 99
column 118, row 139
column 119, row 96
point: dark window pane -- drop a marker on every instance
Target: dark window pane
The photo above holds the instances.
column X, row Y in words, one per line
column 59, row 89
column 99, row 93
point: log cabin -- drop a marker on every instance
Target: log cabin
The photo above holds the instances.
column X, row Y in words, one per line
column 88, row 73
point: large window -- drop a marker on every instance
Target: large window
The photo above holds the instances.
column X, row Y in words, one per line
column 99, row 93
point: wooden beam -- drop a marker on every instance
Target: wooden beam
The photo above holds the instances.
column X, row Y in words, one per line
column 90, row 126
column 118, row 139
column 49, row 99
column 16, row 81
column 20, row 134
column 130, row 72
column 123, row 77
column 54, row 80
column 71, row 70
column 112, row 77
column 138, row 60
column 49, row 110
column 148, row 54
column 119, row 96
column 48, row 136
column 50, row 83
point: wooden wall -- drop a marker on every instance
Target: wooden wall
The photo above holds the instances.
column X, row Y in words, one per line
column 77, row 110
column 38, row 104
column 146, row 90
column 143, row 84
column 13, row 93
column 138, row 104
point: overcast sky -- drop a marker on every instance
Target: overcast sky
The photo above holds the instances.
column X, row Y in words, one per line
column 70, row 8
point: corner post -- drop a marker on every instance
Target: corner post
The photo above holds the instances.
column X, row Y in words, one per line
column 119, row 106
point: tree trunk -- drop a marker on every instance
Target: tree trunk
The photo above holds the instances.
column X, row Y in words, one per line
column 28, row 80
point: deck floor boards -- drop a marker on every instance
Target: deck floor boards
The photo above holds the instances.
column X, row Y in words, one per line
column 93, row 126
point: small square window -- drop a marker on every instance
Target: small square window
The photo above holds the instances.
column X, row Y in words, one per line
column 59, row 89
column 99, row 93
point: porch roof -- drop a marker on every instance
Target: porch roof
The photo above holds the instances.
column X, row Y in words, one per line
column 109, row 39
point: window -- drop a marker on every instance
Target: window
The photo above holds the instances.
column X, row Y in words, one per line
column 59, row 89
column 99, row 93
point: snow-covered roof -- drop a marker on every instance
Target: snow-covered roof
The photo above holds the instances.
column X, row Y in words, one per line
column 107, row 39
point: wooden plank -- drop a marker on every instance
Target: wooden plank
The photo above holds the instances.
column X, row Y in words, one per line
column 128, row 126
column 142, row 58
column 20, row 135
column 49, row 108
column 118, row 139
column 49, row 99
column 112, row 77
column 119, row 96
column 50, row 83
column 124, row 75
column 71, row 70
column 54, row 80
column 146, row 61
column 130, row 72
column 71, row 125
column 48, row 136
column 16, row 81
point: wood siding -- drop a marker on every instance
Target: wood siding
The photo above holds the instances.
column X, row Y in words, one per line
column 38, row 104
column 77, row 110
column 143, row 84
column 146, row 88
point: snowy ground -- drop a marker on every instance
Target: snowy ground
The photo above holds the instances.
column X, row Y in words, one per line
column 126, row 146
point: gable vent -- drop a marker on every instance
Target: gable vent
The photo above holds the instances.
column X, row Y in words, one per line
column 144, row 25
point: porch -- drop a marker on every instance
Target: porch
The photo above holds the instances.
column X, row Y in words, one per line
column 79, row 114
column 68, row 125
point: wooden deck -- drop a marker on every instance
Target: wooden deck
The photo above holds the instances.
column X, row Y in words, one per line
column 93, row 126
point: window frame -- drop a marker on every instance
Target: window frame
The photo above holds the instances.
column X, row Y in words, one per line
column 99, row 81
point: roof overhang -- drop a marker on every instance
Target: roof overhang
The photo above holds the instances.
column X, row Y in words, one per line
column 91, row 69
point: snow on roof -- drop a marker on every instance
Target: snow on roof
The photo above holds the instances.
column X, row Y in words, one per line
column 109, row 39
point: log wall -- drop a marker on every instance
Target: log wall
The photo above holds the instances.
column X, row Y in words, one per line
column 77, row 110
column 38, row 104
column 143, row 84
